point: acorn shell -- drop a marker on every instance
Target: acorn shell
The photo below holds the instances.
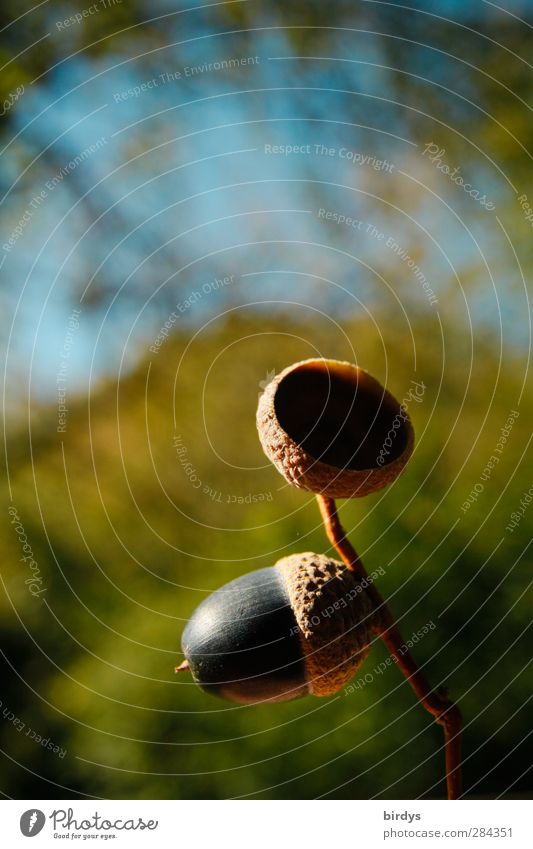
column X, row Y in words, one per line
column 331, row 428
column 302, row 626
column 242, row 644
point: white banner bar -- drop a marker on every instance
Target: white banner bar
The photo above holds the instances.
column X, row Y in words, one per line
column 268, row 824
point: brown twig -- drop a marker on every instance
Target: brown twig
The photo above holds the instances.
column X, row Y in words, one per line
column 436, row 702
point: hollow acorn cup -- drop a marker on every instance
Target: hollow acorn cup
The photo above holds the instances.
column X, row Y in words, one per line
column 302, row 626
column 326, row 425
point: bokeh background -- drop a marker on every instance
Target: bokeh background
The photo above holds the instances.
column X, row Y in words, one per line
column 164, row 251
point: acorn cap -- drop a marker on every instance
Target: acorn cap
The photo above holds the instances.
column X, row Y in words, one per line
column 335, row 617
column 331, row 428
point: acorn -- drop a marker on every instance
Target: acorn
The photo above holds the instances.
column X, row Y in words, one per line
column 303, row 626
column 330, row 427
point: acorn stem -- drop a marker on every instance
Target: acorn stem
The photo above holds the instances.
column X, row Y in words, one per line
column 436, row 702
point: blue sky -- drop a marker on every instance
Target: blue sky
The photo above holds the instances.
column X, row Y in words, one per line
column 183, row 190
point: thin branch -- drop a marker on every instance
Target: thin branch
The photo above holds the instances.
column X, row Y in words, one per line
column 436, row 702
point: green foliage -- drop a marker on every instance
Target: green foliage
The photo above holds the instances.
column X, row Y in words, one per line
column 158, row 492
column 128, row 546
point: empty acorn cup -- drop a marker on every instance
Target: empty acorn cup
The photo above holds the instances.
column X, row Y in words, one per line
column 331, row 428
column 300, row 627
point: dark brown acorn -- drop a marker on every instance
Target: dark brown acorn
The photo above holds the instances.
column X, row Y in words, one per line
column 302, row 626
column 331, row 428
